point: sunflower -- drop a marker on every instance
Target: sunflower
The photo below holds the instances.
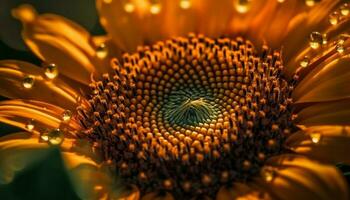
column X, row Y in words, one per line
column 186, row 99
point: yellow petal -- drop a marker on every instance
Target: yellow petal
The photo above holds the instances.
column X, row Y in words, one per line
column 13, row 76
column 296, row 177
column 326, row 113
column 331, row 145
column 41, row 116
column 57, row 40
column 326, row 82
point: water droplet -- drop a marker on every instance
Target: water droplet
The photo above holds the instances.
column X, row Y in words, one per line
column 67, row 115
column 268, row 174
column 316, row 39
column 51, row 71
column 44, row 136
column 345, row 9
column 340, row 48
column 315, row 137
column 30, row 125
column 55, row 137
column 129, row 7
column 311, row 3
column 305, row 61
column 185, row 4
column 242, row 6
column 155, row 8
column 28, row 81
column 101, row 51
column 334, row 18
column 324, row 39
column 280, row 1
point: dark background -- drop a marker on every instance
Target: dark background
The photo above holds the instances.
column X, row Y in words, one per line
column 81, row 11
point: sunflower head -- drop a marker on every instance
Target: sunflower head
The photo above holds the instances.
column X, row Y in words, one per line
column 190, row 99
column 191, row 114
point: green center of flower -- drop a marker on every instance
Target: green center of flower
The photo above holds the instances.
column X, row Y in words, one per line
column 190, row 106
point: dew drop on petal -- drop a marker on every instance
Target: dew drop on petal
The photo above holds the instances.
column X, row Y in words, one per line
column 316, row 39
column 268, row 174
column 341, row 39
column 55, row 137
column 281, row 1
column 310, row 3
column 334, row 18
column 28, row 82
column 345, row 9
column 315, row 137
column 44, row 136
column 242, row 6
column 324, row 39
column 185, row 4
column 51, row 71
column 129, row 7
column 101, row 51
column 340, row 48
column 305, row 61
column 30, row 125
column 155, row 8
column 67, row 115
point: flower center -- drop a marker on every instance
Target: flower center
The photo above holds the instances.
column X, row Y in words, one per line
column 190, row 115
column 189, row 106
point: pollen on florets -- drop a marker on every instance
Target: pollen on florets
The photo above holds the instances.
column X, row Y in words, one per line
column 190, row 114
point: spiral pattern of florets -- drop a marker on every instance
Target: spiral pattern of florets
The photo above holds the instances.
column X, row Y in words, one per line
column 191, row 114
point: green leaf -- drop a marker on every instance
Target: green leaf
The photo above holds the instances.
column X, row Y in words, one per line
column 45, row 179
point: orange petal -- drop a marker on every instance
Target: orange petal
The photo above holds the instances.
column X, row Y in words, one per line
column 57, row 40
column 138, row 22
column 316, row 19
column 41, row 116
column 13, row 75
column 332, row 33
column 123, row 27
column 326, row 113
column 326, row 82
column 296, row 177
column 329, row 144
column 264, row 21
